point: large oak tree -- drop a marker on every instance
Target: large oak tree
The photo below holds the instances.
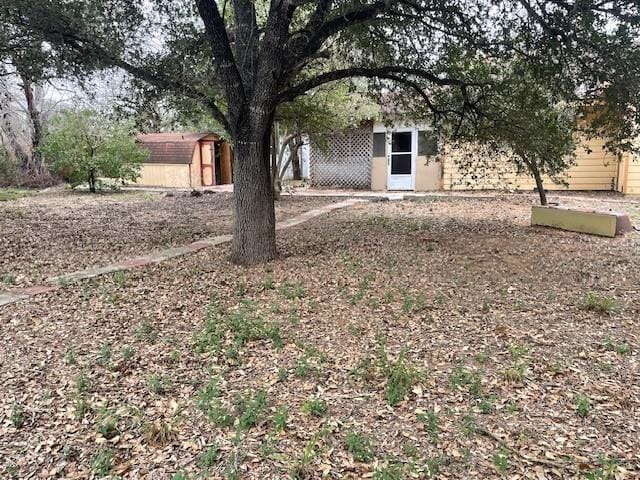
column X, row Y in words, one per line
column 241, row 59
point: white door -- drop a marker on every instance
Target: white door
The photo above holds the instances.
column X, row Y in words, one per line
column 402, row 159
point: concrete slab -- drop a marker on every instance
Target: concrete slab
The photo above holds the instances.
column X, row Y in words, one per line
column 7, row 297
column 605, row 224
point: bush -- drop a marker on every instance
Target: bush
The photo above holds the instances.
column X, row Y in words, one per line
column 84, row 147
column 8, row 169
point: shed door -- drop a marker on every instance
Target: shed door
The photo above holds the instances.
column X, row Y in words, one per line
column 207, row 164
column 401, row 160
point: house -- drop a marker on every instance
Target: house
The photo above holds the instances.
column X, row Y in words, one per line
column 185, row 160
column 405, row 157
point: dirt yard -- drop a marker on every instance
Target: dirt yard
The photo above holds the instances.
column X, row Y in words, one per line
column 393, row 340
column 53, row 233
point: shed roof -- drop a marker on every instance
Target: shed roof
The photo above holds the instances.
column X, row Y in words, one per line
column 173, row 148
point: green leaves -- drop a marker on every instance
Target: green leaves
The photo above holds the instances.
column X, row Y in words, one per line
column 84, row 147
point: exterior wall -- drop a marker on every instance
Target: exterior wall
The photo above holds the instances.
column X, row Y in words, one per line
column 196, row 168
column 632, row 168
column 378, row 174
column 164, row 175
column 428, row 174
column 595, row 170
column 428, row 171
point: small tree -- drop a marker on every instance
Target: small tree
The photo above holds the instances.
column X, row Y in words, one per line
column 525, row 122
column 84, row 147
column 316, row 116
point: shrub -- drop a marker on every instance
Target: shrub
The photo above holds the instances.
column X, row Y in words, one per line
column 8, row 169
column 83, row 147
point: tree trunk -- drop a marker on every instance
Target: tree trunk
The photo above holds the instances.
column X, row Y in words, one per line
column 92, row 181
column 34, row 165
column 538, row 178
column 254, row 234
column 295, row 160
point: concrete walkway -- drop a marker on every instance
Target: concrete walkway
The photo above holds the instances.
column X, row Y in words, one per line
column 59, row 281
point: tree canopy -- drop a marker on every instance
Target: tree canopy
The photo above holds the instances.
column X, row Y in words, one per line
column 241, row 59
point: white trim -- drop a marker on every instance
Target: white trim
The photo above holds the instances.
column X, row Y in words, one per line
column 379, row 127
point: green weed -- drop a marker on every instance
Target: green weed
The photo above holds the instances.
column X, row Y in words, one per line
column 621, row 348
column 401, row 376
column 127, row 353
column 500, row 460
column 606, row 470
column 102, row 461
column 104, row 356
column 240, row 326
column 209, row 403
column 249, row 408
column 392, row 471
column 583, row 405
column 71, row 356
column 158, row 385
column 107, row 423
column 18, row 416
column 209, row 457
column 147, row 332
column 80, row 407
column 121, row 279
column 359, row 446
column 315, row 406
column 431, row 424
column 83, row 383
column 469, row 425
column 291, row 291
column 267, row 283
column 593, row 302
column 280, row 418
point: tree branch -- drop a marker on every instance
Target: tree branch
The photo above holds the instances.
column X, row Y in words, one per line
column 224, row 63
column 369, row 72
column 308, row 41
column 93, row 50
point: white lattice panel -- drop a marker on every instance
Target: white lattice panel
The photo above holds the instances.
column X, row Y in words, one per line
column 345, row 162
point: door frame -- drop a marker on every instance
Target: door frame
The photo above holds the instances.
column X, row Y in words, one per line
column 414, row 151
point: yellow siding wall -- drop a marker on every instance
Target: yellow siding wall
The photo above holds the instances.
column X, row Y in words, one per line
column 596, row 170
column 164, row 175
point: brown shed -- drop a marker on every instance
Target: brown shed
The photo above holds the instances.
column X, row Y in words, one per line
column 185, row 160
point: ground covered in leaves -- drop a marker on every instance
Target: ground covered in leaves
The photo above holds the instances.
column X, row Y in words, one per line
column 393, row 340
column 61, row 231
